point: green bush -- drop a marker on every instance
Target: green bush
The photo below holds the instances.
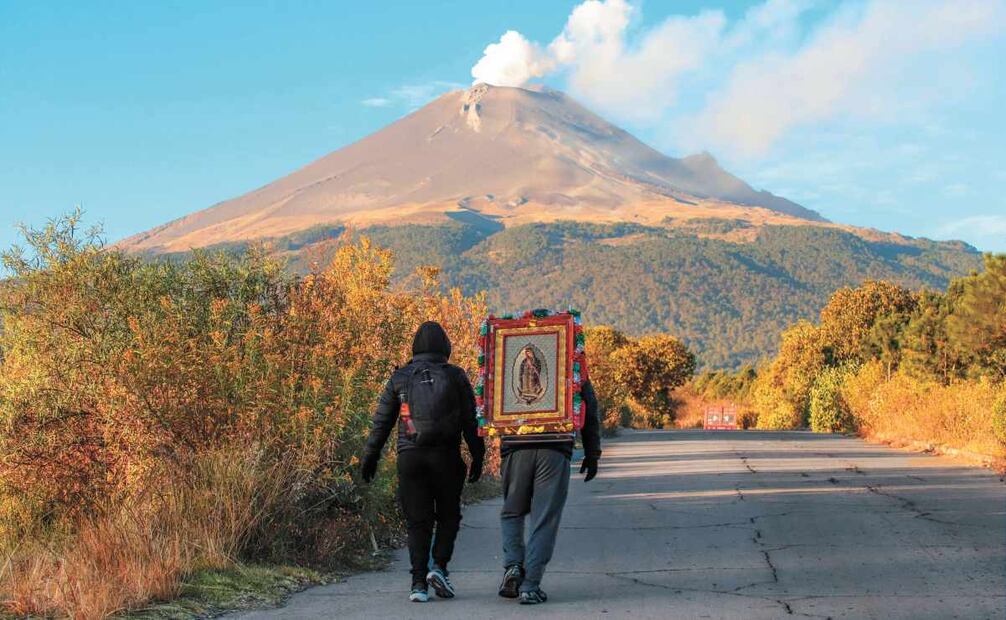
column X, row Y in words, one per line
column 780, row 417
column 829, row 413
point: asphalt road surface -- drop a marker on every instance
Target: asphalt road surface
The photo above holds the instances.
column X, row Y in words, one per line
column 697, row 524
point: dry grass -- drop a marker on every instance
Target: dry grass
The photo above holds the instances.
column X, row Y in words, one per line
column 112, row 565
column 905, row 409
column 140, row 550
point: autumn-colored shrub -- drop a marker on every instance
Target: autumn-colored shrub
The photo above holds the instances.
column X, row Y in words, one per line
column 602, row 342
column 856, row 323
column 649, row 369
column 635, row 378
column 775, row 411
column 163, row 416
column 828, row 412
column 781, row 392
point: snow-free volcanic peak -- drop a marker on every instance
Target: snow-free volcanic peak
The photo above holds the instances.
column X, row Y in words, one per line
column 515, row 155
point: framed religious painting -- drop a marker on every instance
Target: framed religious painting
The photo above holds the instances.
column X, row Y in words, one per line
column 531, row 368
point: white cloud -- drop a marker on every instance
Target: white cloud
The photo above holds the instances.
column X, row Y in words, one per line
column 873, row 60
column 976, row 226
column 740, row 86
column 637, row 79
column 412, row 95
column 956, row 190
column 416, row 95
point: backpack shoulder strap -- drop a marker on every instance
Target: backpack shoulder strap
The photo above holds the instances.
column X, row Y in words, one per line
column 409, row 371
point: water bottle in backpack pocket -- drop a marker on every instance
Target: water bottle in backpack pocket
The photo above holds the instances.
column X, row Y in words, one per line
column 430, row 410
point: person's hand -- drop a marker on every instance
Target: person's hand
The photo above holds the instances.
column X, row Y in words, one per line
column 475, row 471
column 368, row 468
column 589, row 465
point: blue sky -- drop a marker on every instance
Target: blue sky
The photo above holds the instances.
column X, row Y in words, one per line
column 882, row 114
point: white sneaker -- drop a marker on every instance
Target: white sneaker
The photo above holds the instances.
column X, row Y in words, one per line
column 419, row 595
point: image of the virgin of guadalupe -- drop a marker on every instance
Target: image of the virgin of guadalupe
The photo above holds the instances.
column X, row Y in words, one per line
column 530, row 385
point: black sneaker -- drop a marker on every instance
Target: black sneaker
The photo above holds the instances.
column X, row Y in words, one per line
column 533, row 597
column 512, row 578
column 437, row 579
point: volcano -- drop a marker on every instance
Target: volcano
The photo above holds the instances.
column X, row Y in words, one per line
column 514, row 155
column 528, row 196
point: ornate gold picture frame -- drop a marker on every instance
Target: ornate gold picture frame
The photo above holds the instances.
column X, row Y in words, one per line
column 531, row 370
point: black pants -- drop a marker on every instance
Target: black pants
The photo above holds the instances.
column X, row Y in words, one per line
column 429, row 488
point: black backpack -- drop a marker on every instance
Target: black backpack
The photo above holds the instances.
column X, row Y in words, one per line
column 431, row 395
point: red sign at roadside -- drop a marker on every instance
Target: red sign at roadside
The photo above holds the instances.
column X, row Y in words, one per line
column 720, row 419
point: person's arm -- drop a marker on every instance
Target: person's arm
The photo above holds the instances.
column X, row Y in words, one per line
column 470, row 427
column 381, row 426
column 590, row 433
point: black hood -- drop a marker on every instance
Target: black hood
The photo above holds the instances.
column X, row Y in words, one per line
column 431, row 338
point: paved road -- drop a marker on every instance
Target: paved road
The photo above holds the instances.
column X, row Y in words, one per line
column 694, row 524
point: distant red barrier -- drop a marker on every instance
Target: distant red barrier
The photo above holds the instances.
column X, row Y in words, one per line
column 720, row 419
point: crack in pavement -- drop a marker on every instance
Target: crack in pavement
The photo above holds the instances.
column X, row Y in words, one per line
column 744, row 460
column 784, row 604
column 768, row 560
column 910, row 506
column 756, row 539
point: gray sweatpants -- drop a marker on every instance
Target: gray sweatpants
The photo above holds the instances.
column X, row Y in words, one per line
column 535, row 481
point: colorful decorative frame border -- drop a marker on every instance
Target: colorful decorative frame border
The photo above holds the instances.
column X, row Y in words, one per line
column 568, row 414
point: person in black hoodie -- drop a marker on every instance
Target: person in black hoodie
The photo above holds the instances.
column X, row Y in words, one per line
column 535, row 483
column 434, row 405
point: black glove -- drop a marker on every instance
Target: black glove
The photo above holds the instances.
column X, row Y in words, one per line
column 589, row 465
column 475, row 471
column 368, row 468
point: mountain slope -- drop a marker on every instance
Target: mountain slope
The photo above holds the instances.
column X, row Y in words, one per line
column 513, row 154
column 728, row 300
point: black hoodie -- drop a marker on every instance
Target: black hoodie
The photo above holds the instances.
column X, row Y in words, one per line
column 431, row 338
column 430, row 344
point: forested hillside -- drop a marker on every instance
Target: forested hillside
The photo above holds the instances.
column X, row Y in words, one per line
column 727, row 300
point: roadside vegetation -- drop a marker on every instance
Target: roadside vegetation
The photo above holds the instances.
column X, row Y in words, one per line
column 164, row 421
column 635, row 378
column 925, row 368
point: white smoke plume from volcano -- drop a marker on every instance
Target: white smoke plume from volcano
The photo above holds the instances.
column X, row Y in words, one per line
column 513, row 61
